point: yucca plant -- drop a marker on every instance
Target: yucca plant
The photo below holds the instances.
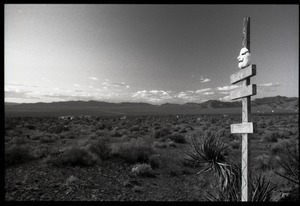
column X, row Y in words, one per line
column 208, row 151
column 261, row 191
column 290, row 164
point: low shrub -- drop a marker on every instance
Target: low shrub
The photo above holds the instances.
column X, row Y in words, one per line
column 179, row 138
column 17, row 154
column 264, row 162
column 74, row 156
column 135, row 151
column 116, row 133
column 48, row 139
column 160, row 144
column 175, row 171
column 30, row 127
column 102, row 148
column 154, row 161
column 93, row 136
column 57, row 129
column 270, row 137
column 172, row 144
column 42, row 151
column 164, row 132
column 134, row 128
column 220, row 132
column 280, row 146
column 18, row 140
column 100, row 126
column 143, row 170
column 235, row 144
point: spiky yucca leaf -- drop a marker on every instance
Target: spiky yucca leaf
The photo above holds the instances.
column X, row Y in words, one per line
column 290, row 164
column 208, row 152
column 261, row 189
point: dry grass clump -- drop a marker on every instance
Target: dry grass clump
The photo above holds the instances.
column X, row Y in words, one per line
column 155, row 161
column 135, row 151
column 264, row 162
column 48, row 139
column 74, row 156
column 102, row 148
column 162, row 133
column 280, row 146
column 177, row 137
column 270, row 137
column 143, row 170
column 17, row 154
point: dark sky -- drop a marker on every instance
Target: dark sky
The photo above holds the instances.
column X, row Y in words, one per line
column 147, row 53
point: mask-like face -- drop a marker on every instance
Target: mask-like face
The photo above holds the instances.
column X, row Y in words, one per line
column 244, row 58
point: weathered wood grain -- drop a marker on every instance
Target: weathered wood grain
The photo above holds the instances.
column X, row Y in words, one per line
column 243, row 74
column 244, row 91
column 242, row 128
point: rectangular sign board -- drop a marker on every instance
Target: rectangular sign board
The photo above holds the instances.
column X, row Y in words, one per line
column 243, row 92
column 242, row 128
column 243, row 74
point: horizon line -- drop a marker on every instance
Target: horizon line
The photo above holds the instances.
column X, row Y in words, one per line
column 5, row 102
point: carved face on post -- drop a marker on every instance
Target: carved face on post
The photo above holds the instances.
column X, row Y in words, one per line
column 244, row 58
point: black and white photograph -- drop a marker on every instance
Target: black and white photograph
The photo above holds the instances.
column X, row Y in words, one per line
column 151, row 102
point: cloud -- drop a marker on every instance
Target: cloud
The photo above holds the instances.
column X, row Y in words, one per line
column 77, row 90
column 208, row 93
column 183, row 95
column 17, row 93
column 226, row 98
column 93, row 78
column 114, row 84
column 153, row 95
column 203, row 90
column 224, row 92
column 228, row 88
column 203, row 80
column 82, row 96
column 269, row 85
column 21, row 85
column 76, row 85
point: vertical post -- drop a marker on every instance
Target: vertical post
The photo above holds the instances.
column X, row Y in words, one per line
column 246, row 110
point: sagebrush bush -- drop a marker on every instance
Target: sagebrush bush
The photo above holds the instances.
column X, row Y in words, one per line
column 74, row 156
column 270, row 137
column 264, row 162
column 160, row 144
column 154, row 161
column 102, row 148
column 171, row 144
column 235, row 144
column 18, row 140
column 135, row 151
column 164, row 132
column 17, row 154
column 48, row 139
column 134, row 128
column 143, row 170
column 177, row 137
column 280, row 146
column 100, row 126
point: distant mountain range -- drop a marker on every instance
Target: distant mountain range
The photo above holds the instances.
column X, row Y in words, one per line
column 277, row 104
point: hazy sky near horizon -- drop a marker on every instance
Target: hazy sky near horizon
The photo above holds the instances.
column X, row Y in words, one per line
column 145, row 53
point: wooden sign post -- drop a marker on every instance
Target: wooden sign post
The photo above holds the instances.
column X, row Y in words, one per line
column 245, row 92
